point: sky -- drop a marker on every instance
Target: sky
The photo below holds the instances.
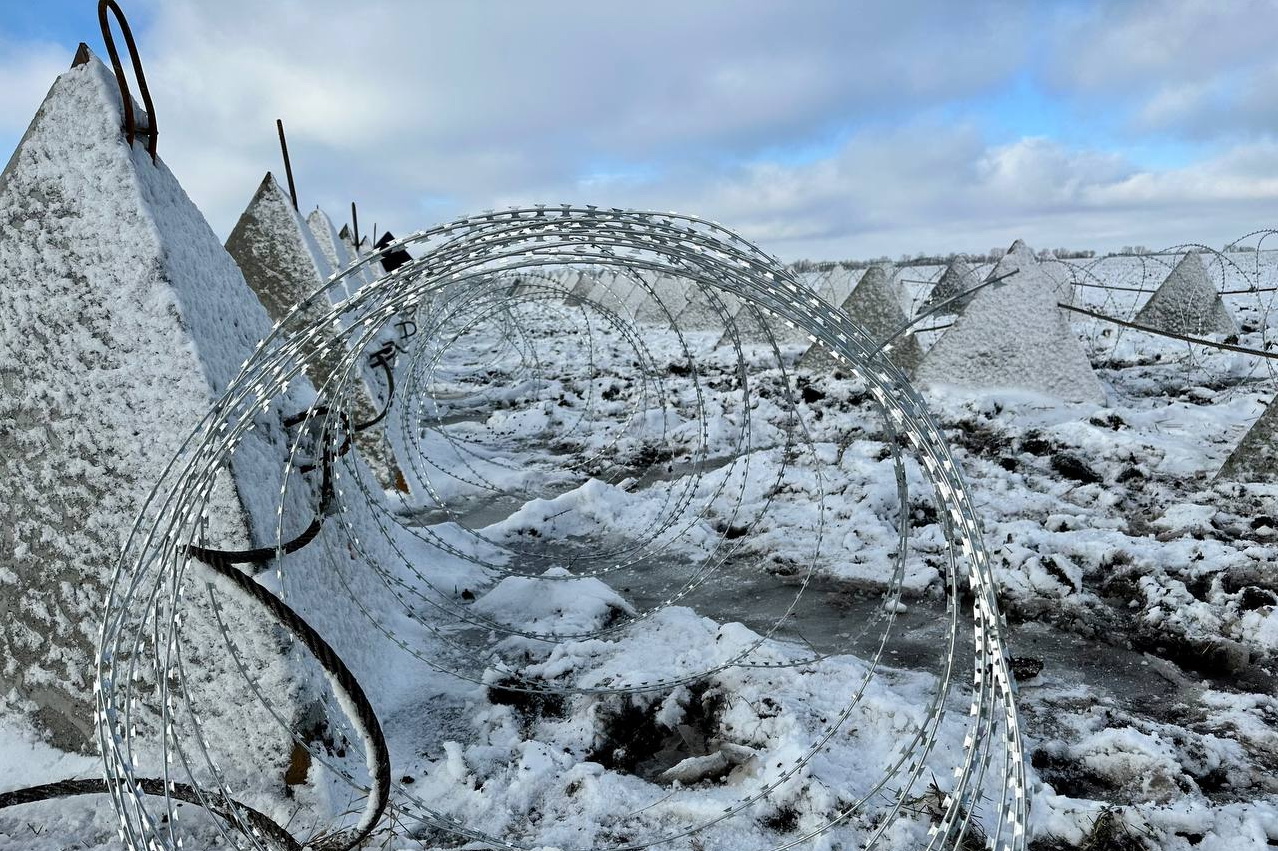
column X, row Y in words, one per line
column 820, row 129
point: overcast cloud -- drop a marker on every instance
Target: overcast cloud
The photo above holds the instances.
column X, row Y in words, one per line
column 822, row 129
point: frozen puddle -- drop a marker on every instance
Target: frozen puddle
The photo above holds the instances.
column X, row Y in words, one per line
column 828, row 616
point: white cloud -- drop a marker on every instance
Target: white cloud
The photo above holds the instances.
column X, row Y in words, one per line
column 1119, row 43
column 1200, row 68
column 487, row 100
column 426, row 111
column 935, row 189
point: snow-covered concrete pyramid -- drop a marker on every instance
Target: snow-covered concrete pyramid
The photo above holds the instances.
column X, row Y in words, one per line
column 331, row 246
column 875, row 306
column 121, row 318
column 335, row 251
column 758, row 327
column 957, row 279
column 284, row 265
column 368, row 273
column 1187, row 302
column 581, row 287
column 276, row 251
column 627, row 294
column 810, row 280
column 698, row 314
column 1255, row 458
column 356, row 251
column 667, row 297
column 1013, row 334
column 837, row 284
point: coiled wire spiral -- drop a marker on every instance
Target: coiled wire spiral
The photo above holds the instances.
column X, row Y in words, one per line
column 516, row 391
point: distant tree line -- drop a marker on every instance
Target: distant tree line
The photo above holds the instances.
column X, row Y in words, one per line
column 922, row 259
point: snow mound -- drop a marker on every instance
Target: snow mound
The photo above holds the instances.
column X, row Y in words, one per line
column 556, row 602
column 1187, row 302
column 1013, row 334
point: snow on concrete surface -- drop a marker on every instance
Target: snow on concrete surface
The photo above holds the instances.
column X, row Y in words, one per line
column 625, row 288
column 837, row 284
column 1255, row 458
column 1013, row 335
column 129, row 319
column 1187, row 302
column 699, row 314
column 757, row 327
column 875, row 306
column 277, row 252
column 666, row 296
column 335, row 251
column 957, row 279
column 581, row 286
column 285, row 265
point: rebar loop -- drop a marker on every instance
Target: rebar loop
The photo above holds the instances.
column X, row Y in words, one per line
column 131, row 130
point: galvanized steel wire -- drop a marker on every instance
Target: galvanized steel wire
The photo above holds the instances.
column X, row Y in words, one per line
column 459, row 285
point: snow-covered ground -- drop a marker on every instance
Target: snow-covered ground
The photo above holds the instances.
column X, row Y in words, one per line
column 664, row 600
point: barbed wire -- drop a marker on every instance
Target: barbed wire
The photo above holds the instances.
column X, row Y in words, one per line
column 478, row 344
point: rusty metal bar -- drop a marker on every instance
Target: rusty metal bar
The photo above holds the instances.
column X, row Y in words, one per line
column 131, row 129
column 288, row 165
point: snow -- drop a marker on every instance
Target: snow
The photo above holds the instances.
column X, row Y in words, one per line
column 286, row 267
column 130, row 319
column 957, row 279
column 1144, row 529
column 635, row 590
column 1187, row 302
column 1013, row 334
column 875, row 306
column 1114, row 581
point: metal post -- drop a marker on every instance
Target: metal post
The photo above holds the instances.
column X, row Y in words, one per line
column 288, row 166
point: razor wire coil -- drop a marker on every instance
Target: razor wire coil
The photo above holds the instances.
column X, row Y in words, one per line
column 489, row 345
